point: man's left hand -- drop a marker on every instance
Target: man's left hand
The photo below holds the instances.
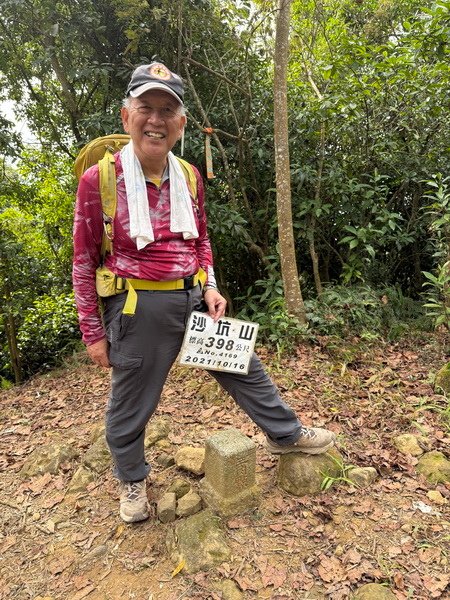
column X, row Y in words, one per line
column 216, row 304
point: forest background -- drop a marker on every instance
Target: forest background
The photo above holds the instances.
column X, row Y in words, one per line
column 368, row 91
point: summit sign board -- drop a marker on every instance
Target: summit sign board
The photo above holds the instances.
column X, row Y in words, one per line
column 225, row 345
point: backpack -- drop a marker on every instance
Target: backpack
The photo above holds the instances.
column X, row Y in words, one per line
column 101, row 150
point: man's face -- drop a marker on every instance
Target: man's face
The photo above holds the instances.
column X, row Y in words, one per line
column 154, row 123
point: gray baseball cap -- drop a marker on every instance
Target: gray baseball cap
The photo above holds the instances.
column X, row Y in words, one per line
column 155, row 76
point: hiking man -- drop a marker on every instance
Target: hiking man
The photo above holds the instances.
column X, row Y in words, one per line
column 160, row 251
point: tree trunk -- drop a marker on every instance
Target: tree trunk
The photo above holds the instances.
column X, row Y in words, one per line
column 289, row 273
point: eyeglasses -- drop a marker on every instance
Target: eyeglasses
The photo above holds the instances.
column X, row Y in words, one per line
column 165, row 113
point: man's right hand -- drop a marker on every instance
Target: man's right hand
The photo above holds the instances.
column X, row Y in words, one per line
column 98, row 353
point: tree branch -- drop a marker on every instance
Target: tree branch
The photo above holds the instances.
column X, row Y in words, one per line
column 193, row 62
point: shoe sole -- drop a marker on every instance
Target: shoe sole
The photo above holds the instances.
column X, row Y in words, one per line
column 134, row 518
column 297, row 449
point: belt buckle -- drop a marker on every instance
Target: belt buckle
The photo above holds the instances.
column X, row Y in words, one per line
column 188, row 282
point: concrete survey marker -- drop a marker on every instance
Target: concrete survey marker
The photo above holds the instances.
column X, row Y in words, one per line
column 229, row 486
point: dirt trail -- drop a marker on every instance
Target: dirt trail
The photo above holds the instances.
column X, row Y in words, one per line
column 61, row 547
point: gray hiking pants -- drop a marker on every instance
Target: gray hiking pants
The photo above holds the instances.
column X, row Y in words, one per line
column 142, row 350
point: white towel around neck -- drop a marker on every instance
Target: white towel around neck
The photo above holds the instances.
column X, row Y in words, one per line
column 181, row 214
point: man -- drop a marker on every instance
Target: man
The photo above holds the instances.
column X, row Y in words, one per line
column 160, row 244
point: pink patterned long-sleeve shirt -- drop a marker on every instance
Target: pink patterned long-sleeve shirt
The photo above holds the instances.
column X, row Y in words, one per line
column 169, row 257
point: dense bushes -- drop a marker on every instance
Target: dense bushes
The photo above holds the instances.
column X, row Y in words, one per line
column 48, row 332
column 339, row 311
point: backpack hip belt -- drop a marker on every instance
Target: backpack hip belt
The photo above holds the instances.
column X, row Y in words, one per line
column 187, row 283
column 109, row 284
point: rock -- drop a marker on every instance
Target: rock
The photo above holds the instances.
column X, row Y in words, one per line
column 302, row 474
column 98, row 456
column 156, row 430
column 436, row 497
column 408, row 444
column 200, row 541
column 191, row 459
column 230, row 590
column 47, row 459
column 163, row 444
column 165, row 460
column 80, row 480
column 189, row 504
column 434, row 467
column 180, row 487
column 442, row 380
column 374, row 591
column 166, row 508
column 362, row 476
column 97, row 431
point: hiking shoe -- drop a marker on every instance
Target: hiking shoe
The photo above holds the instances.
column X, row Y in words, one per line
column 133, row 501
column 312, row 440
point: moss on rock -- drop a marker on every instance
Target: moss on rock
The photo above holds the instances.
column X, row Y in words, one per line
column 374, row 591
column 442, row 380
column 435, row 467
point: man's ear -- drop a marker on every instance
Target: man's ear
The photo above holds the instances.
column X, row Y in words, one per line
column 183, row 121
column 124, row 113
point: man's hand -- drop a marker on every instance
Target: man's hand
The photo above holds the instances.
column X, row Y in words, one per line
column 98, row 353
column 216, row 304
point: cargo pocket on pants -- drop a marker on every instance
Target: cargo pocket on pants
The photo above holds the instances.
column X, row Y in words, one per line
column 120, row 360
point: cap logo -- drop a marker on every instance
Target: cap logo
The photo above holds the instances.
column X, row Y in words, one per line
column 159, row 71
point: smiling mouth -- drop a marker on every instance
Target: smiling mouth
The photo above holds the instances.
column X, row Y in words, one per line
column 152, row 134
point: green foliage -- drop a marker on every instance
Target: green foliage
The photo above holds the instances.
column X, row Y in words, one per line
column 265, row 305
column 438, row 404
column 373, row 79
column 36, row 212
column 61, row 65
column 439, row 214
column 383, row 228
column 340, row 312
column 345, row 311
column 438, row 295
column 343, row 477
column 5, row 384
column 359, row 310
column 49, row 331
column 226, row 229
column 36, row 207
column 438, row 283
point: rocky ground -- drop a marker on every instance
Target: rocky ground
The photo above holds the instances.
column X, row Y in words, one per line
column 61, row 536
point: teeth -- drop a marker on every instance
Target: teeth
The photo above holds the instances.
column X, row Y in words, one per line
column 154, row 135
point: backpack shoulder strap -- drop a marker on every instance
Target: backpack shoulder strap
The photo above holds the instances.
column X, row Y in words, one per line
column 108, row 194
column 191, row 178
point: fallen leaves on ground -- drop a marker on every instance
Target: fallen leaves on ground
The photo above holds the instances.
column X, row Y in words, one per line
column 395, row 532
